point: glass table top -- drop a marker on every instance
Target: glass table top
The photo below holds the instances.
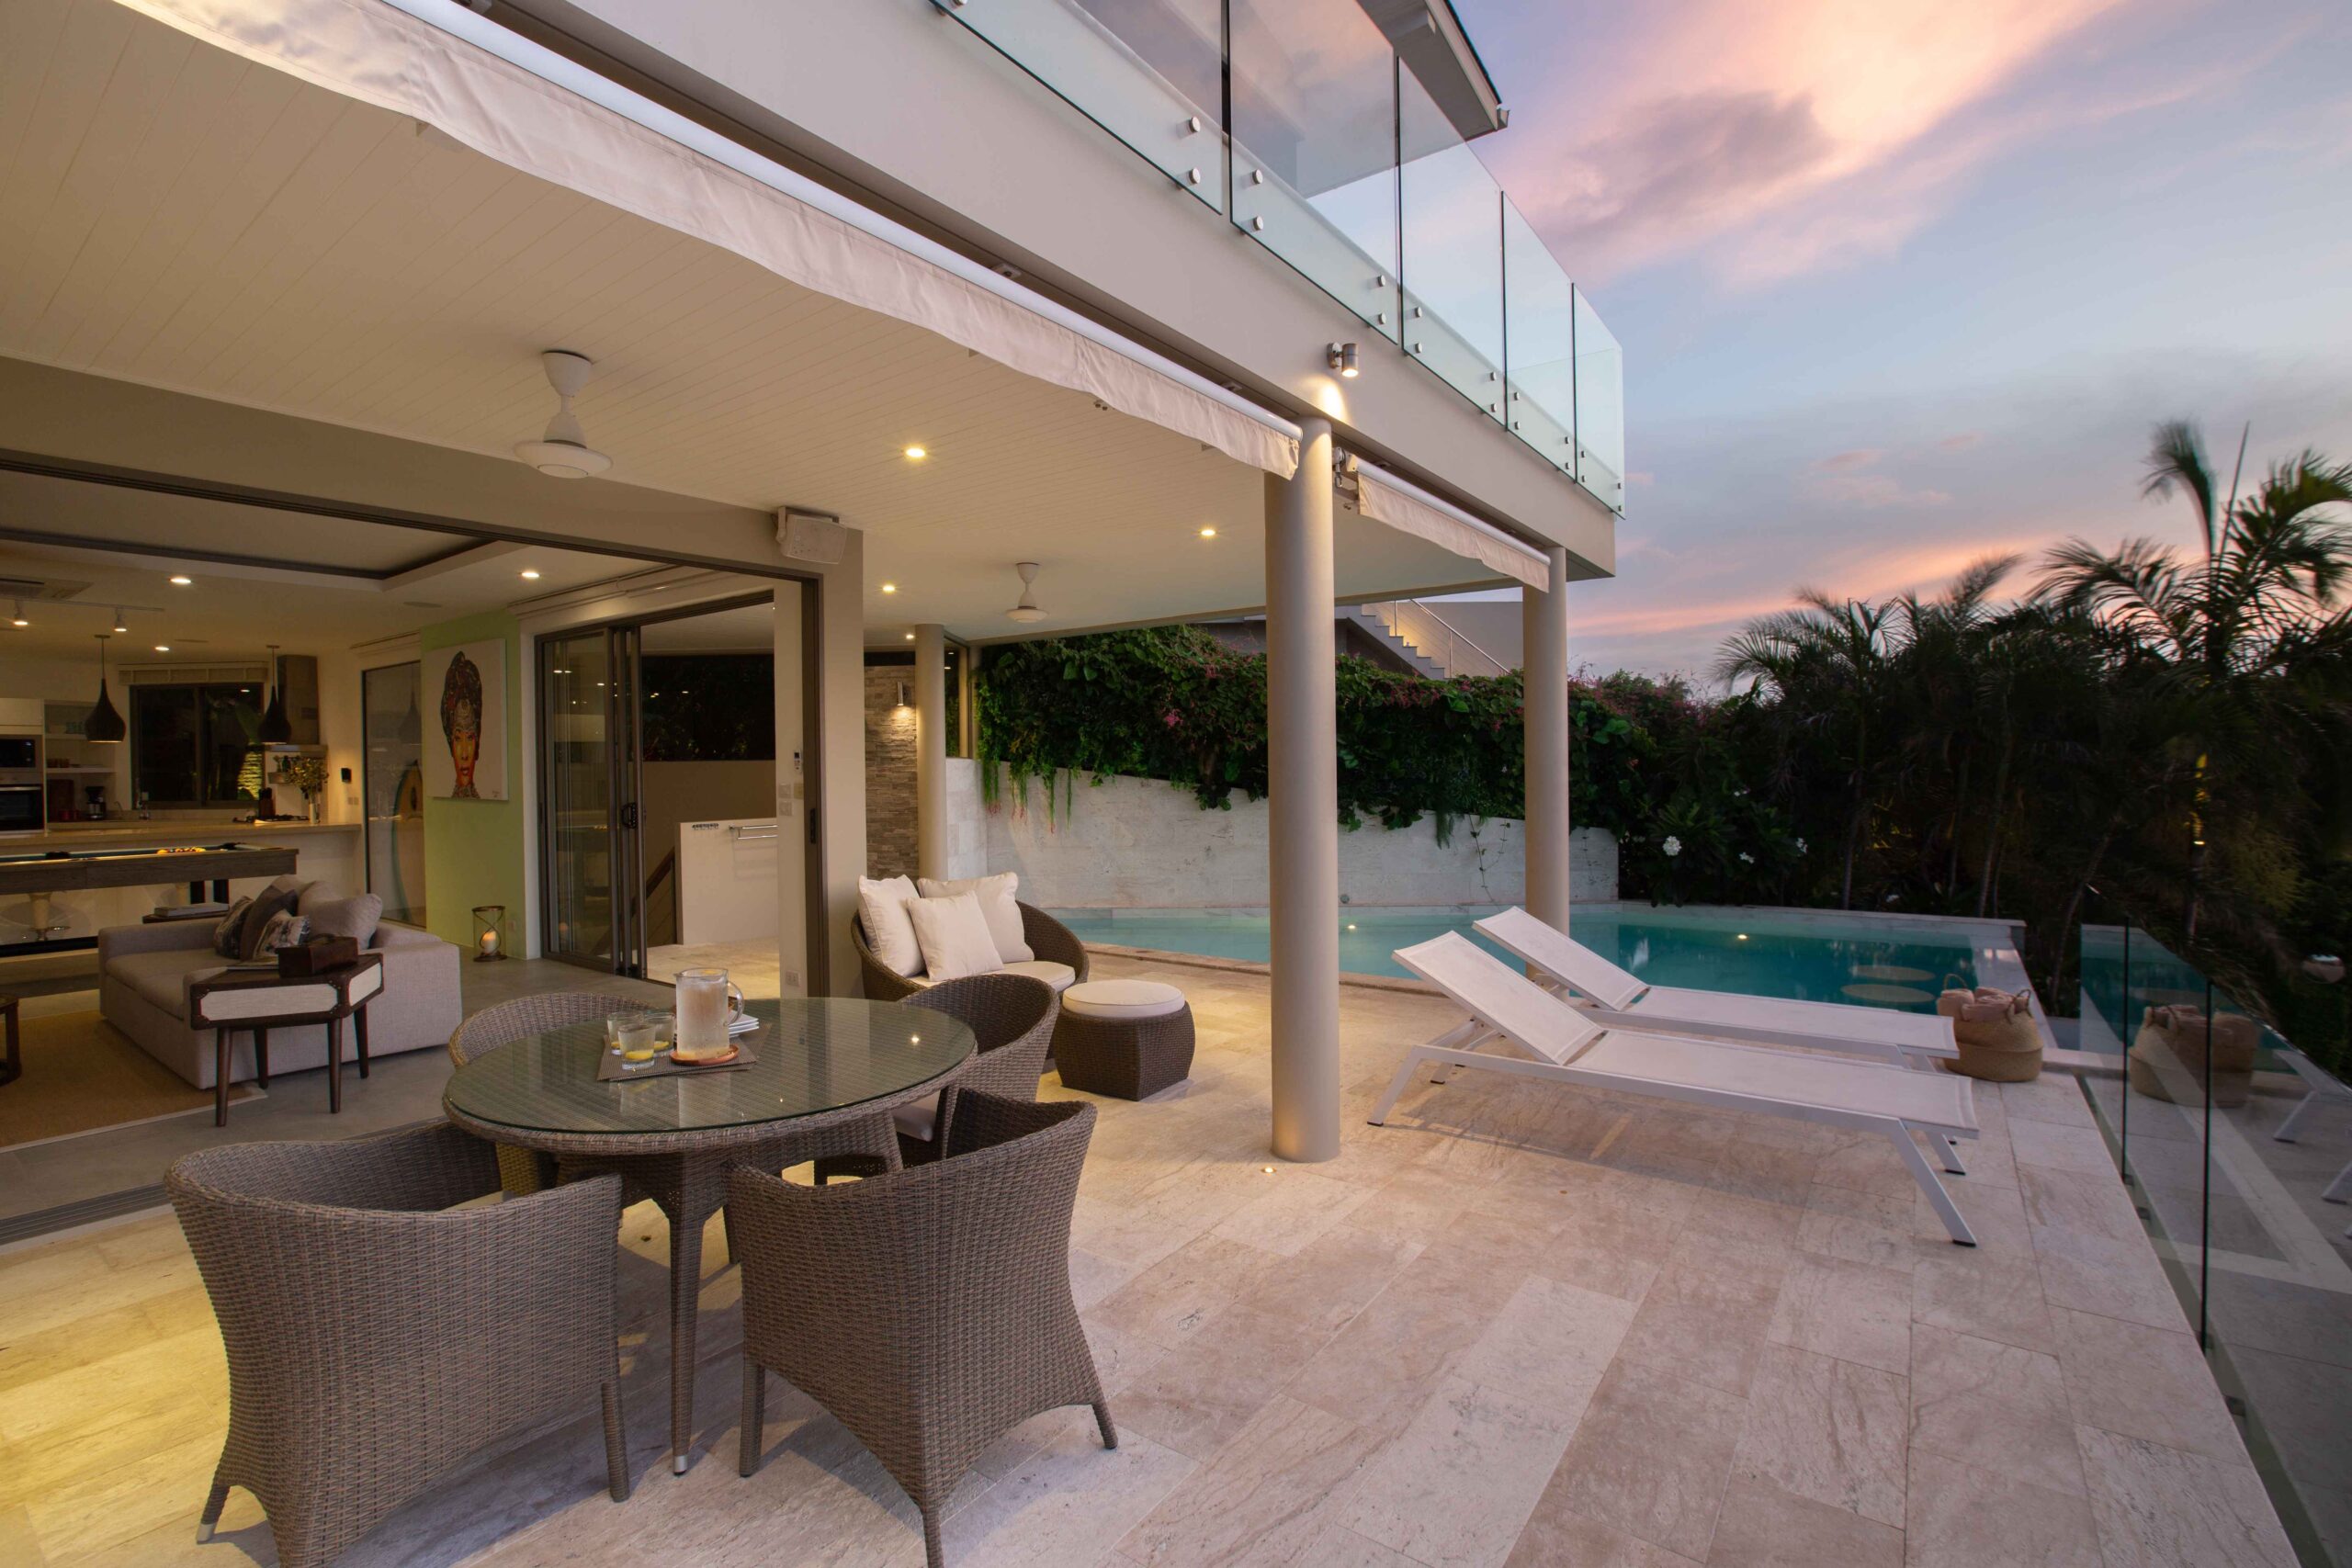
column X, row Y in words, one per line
column 821, row 1054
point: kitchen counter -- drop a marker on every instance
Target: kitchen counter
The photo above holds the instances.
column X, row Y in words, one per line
column 123, row 834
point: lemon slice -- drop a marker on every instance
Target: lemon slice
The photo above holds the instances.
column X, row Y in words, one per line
column 636, row 1056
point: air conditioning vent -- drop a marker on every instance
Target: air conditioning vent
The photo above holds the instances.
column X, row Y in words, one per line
column 34, row 588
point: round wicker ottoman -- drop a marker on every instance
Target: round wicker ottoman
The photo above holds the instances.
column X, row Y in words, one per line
column 1127, row 1039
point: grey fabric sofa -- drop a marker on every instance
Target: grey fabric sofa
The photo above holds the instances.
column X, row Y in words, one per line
column 143, row 975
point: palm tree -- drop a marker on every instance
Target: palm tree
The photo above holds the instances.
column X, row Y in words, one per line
column 2251, row 638
column 1831, row 661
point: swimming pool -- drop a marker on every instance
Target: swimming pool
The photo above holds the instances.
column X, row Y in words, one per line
column 1803, row 955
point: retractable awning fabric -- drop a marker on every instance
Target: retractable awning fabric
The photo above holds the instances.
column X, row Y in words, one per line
column 531, row 109
column 1384, row 497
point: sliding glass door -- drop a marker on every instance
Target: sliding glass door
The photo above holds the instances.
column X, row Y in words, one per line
column 592, row 896
column 393, row 784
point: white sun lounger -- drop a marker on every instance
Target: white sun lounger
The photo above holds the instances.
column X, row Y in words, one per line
column 1565, row 1043
column 1619, row 997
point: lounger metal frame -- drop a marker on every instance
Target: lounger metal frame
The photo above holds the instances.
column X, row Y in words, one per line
column 1462, row 1047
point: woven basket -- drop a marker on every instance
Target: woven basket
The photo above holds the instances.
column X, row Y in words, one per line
column 2168, row 1061
column 1996, row 1033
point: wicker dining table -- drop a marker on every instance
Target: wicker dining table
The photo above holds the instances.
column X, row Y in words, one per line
column 827, row 1073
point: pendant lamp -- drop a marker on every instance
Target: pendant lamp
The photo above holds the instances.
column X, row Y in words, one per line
column 277, row 730
column 104, row 723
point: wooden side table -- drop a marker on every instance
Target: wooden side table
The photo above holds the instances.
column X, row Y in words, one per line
column 13, row 1068
column 261, row 1000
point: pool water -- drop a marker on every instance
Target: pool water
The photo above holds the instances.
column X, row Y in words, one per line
column 1804, row 956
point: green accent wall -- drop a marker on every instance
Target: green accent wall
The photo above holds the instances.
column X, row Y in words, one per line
column 474, row 849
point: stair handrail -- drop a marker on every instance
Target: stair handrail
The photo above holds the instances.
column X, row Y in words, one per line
column 1399, row 615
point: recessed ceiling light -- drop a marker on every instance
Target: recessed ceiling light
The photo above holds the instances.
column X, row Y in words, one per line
column 530, row 574
column 890, row 588
column 178, row 581
column 911, row 636
column 1208, row 533
column 20, row 620
column 917, row 452
column 163, row 647
column 119, row 623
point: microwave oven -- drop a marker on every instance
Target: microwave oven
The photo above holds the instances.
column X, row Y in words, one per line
column 19, row 752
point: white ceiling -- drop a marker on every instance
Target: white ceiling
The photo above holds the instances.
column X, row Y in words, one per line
column 178, row 217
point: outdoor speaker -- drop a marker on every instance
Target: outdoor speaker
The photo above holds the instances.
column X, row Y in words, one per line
column 812, row 536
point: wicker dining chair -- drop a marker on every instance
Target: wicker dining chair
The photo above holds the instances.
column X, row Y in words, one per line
column 522, row 1171
column 929, row 1309
column 1012, row 1017
column 1047, row 938
column 374, row 1340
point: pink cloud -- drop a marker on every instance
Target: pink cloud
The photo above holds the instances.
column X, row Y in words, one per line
column 1861, row 457
column 1960, row 441
column 1777, row 140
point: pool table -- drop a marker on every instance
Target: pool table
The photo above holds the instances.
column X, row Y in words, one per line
column 77, row 871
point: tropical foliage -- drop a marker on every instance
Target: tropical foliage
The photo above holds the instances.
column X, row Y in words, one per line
column 2139, row 730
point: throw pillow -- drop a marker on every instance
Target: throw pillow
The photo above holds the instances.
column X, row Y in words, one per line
column 284, row 929
column 999, row 906
column 233, row 925
column 272, row 901
column 882, row 906
column 355, row 917
column 954, row 935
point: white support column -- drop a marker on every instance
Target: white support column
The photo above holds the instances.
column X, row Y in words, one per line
column 1543, row 624
column 1303, row 767
column 931, row 750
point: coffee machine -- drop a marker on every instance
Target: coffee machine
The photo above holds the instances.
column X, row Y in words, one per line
column 95, row 808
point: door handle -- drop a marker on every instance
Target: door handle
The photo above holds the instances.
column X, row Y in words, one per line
column 629, row 813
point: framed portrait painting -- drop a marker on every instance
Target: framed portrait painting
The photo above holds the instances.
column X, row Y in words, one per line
column 465, row 722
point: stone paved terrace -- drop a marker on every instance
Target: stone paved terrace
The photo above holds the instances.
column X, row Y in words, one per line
column 1523, row 1325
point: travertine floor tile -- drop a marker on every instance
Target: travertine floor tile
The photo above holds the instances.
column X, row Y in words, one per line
column 1848, row 1310
column 1959, row 1517
column 1830, row 1430
column 1265, row 1501
column 2111, row 1276
column 1652, row 1457
column 2002, row 1409
column 1991, row 1295
column 1197, row 1398
column 2146, row 1383
column 2076, row 1147
column 1170, row 1301
column 2158, row 1507
column 1762, row 1526
column 1455, row 1487
column 1558, row 1538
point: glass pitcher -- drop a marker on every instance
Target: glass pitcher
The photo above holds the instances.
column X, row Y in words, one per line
column 707, row 1008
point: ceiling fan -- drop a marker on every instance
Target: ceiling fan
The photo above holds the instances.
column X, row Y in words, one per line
column 563, row 453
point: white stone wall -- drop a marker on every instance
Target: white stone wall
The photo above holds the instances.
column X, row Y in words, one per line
column 968, row 822
column 1138, row 842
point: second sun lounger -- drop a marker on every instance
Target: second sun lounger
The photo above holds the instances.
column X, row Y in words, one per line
column 1617, row 996
column 1566, row 1044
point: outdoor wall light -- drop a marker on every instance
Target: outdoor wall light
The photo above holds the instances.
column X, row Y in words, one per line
column 120, row 624
column 1341, row 357
column 902, row 694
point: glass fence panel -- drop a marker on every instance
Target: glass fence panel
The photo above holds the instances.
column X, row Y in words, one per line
column 1147, row 70
column 2237, row 1147
column 1539, row 327
column 1314, row 147
column 1452, row 248
column 1601, row 407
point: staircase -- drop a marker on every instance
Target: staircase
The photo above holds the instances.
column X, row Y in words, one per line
column 1421, row 636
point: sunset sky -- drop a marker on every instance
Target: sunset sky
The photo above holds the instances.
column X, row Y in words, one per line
column 1901, row 283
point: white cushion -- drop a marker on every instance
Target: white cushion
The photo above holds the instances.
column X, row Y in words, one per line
column 998, row 904
column 1122, row 998
column 954, row 936
column 917, row 1119
column 882, row 906
column 1058, row 975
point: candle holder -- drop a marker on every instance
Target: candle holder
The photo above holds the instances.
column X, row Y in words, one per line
column 490, row 932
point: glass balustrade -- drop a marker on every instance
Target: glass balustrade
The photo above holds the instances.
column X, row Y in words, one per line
column 1539, row 353
column 1149, row 72
column 1341, row 163
column 1314, row 147
column 2233, row 1144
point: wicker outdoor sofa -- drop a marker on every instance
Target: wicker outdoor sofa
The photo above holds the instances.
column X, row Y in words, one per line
column 1047, row 938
